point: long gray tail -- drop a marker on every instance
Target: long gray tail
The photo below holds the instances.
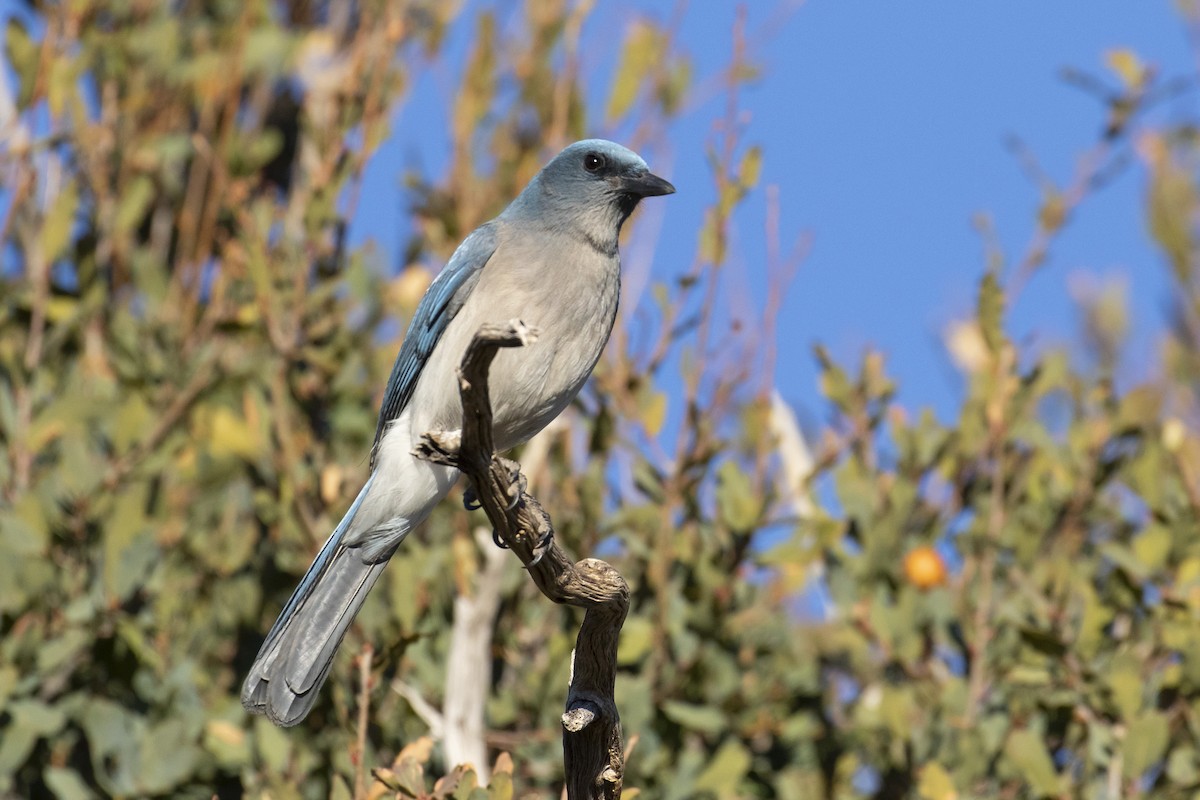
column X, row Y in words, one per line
column 296, row 656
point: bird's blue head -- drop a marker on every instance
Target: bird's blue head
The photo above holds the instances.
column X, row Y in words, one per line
column 595, row 184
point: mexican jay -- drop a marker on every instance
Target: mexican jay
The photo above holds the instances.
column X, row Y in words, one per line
column 549, row 259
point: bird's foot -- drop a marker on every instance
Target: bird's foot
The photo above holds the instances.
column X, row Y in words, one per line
column 471, row 499
column 496, row 540
column 517, row 484
column 439, row 447
column 545, row 539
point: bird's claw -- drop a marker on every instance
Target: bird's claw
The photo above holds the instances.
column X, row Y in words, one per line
column 517, row 483
column 542, row 547
column 515, row 490
column 471, row 499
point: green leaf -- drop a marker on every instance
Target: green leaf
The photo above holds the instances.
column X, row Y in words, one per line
column 22, row 54
column 228, row 742
column 673, row 90
column 408, row 778
column 56, row 229
column 112, row 734
column 705, row 719
column 648, row 480
column 136, row 640
column 935, row 783
column 130, row 551
column 750, row 169
column 134, row 203
column 835, row 384
column 1181, row 766
column 991, row 311
column 340, row 790
column 266, row 51
column 1053, row 212
column 1145, row 742
column 167, row 755
column 712, row 239
column 59, row 650
column 38, row 717
column 726, row 769
column 737, row 502
column 1126, row 684
column 1172, row 200
column 466, row 783
column 66, row 784
column 637, row 636
column 652, row 410
column 1046, row 642
column 1027, row 754
column 25, row 530
column 8, row 682
column 501, row 786
column 272, row 744
column 29, row 720
column 1152, row 546
column 642, row 52
column 60, row 85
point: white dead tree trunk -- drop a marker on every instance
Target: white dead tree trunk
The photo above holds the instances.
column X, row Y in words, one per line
column 468, row 673
column 467, row 684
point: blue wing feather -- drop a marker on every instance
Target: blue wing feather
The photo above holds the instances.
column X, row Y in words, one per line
column 440, row 304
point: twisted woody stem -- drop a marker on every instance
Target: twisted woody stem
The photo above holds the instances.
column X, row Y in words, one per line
column 593, row 756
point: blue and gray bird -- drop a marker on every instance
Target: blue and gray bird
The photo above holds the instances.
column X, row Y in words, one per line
column 549, row 259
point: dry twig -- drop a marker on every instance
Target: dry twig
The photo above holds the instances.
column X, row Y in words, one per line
column 593, row 756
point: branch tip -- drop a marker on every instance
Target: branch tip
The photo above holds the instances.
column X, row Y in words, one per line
column 577, row 719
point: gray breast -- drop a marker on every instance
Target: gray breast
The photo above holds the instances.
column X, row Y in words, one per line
column 571, row 300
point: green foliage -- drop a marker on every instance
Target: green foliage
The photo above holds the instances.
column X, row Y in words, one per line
column 406, row 778
column 1059, row 660
column 186, row 415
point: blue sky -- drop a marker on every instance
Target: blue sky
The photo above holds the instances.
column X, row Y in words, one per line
column 884, row 126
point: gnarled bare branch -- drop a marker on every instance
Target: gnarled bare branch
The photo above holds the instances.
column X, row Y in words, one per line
column 592, row 753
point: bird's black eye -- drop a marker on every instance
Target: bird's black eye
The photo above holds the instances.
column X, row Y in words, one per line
column 594, row 162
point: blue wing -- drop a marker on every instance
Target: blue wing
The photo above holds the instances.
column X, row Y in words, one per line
column 440, row 304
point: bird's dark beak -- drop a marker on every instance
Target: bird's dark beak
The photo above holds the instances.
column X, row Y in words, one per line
column 646, row 184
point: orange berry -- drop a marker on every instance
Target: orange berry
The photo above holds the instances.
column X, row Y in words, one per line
column 924, row 568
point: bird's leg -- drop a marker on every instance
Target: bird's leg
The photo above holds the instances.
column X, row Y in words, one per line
column 517, row 484
column 545, row 534
column 515, row 490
